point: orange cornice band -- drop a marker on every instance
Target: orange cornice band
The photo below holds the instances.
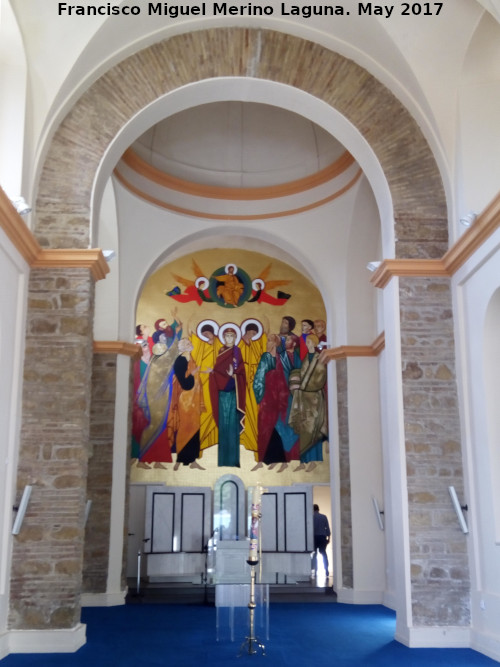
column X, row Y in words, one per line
column 13, row 225
column 484, row 226
column 155, row 175
column 92, row 259
column 379, row 343
column 474, row 237
column 230, row 216
column 345, row 351
column 118, row 347
column 38, row 257
column 423, row 268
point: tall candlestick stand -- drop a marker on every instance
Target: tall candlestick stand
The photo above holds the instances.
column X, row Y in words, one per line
column 252, row 643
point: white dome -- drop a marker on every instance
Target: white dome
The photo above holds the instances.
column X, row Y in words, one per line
column 238, row 144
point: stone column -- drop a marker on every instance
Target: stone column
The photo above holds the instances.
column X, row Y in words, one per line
column 440, row 585
column 345, row 476
column 47, row 554
column 100, row 473
column 108, row 470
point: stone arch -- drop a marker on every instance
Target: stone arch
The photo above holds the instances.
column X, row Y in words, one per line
column 78, row 145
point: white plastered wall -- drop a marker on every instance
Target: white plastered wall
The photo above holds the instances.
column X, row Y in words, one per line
column 14, row 273
column 365, row 455
column 478, row 138
column 13, row 88
column 477, row 300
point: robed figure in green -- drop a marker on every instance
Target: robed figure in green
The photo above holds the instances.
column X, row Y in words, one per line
column 308, row 416
column 227, row 383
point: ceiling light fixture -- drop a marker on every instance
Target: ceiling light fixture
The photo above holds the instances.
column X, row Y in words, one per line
column 468, row 219
column 109, row 255
column 21, row 206
column 373, row 266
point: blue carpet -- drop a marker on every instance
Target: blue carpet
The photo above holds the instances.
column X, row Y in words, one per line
column 184, row 636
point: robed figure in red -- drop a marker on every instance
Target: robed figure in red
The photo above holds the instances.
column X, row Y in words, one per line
column 227, row 384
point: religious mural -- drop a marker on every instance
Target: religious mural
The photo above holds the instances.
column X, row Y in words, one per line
column 230, row 370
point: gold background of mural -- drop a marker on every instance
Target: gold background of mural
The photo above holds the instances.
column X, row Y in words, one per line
column 305, row 302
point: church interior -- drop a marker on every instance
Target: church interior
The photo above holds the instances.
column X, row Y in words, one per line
column 250, row 263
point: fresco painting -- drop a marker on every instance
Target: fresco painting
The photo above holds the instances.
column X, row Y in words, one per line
column 230, row 373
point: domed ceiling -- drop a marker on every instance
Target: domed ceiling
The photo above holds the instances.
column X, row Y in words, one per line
column 237, row 160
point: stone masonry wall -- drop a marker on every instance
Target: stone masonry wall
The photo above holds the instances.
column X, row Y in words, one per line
column 345, row 476
column 47, row 555
column 100, row 473
column 100, row 477
column 127, row 480
column 438, row 549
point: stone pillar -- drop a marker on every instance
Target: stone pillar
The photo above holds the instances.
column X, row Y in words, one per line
column 440, row 585
column 345, row 476
column 100, row 473
column 47, row 554
column 104, row 473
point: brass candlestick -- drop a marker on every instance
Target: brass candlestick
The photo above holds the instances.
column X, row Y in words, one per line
column 252, row 643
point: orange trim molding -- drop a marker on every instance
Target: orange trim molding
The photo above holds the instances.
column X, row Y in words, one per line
column 379, row 343
column 15, row 228
column 407, row 267
column 140, row 166
column 454, row 258
column 345, row 351
column 484, row 226
column 92, row 259
column 38, row 257
column 131, row 350
column 225, row 216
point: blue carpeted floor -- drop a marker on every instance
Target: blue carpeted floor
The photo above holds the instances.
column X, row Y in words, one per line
column 184, row 635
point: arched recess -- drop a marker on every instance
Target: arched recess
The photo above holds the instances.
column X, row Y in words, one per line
column 76, row 149
column 491, row 365
column 13, row 78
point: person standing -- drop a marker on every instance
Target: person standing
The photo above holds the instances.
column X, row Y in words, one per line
column 321, row 539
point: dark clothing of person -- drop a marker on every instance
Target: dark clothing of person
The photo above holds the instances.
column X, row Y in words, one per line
column 321, row 525
column 321, row 535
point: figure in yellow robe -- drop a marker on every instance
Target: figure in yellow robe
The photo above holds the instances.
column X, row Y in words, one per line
column 252, row 345
column 206, row 346
column 230, row 288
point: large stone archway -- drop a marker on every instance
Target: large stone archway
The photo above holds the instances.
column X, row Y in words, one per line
column 55, row 438
column 66, row 182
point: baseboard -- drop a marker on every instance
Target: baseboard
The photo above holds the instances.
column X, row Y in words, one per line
column 389, row 601
column 351, row 596
column 4, row 645
column 486, row 644
column 435, row 637
column 47, row 641
column 103, row 599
